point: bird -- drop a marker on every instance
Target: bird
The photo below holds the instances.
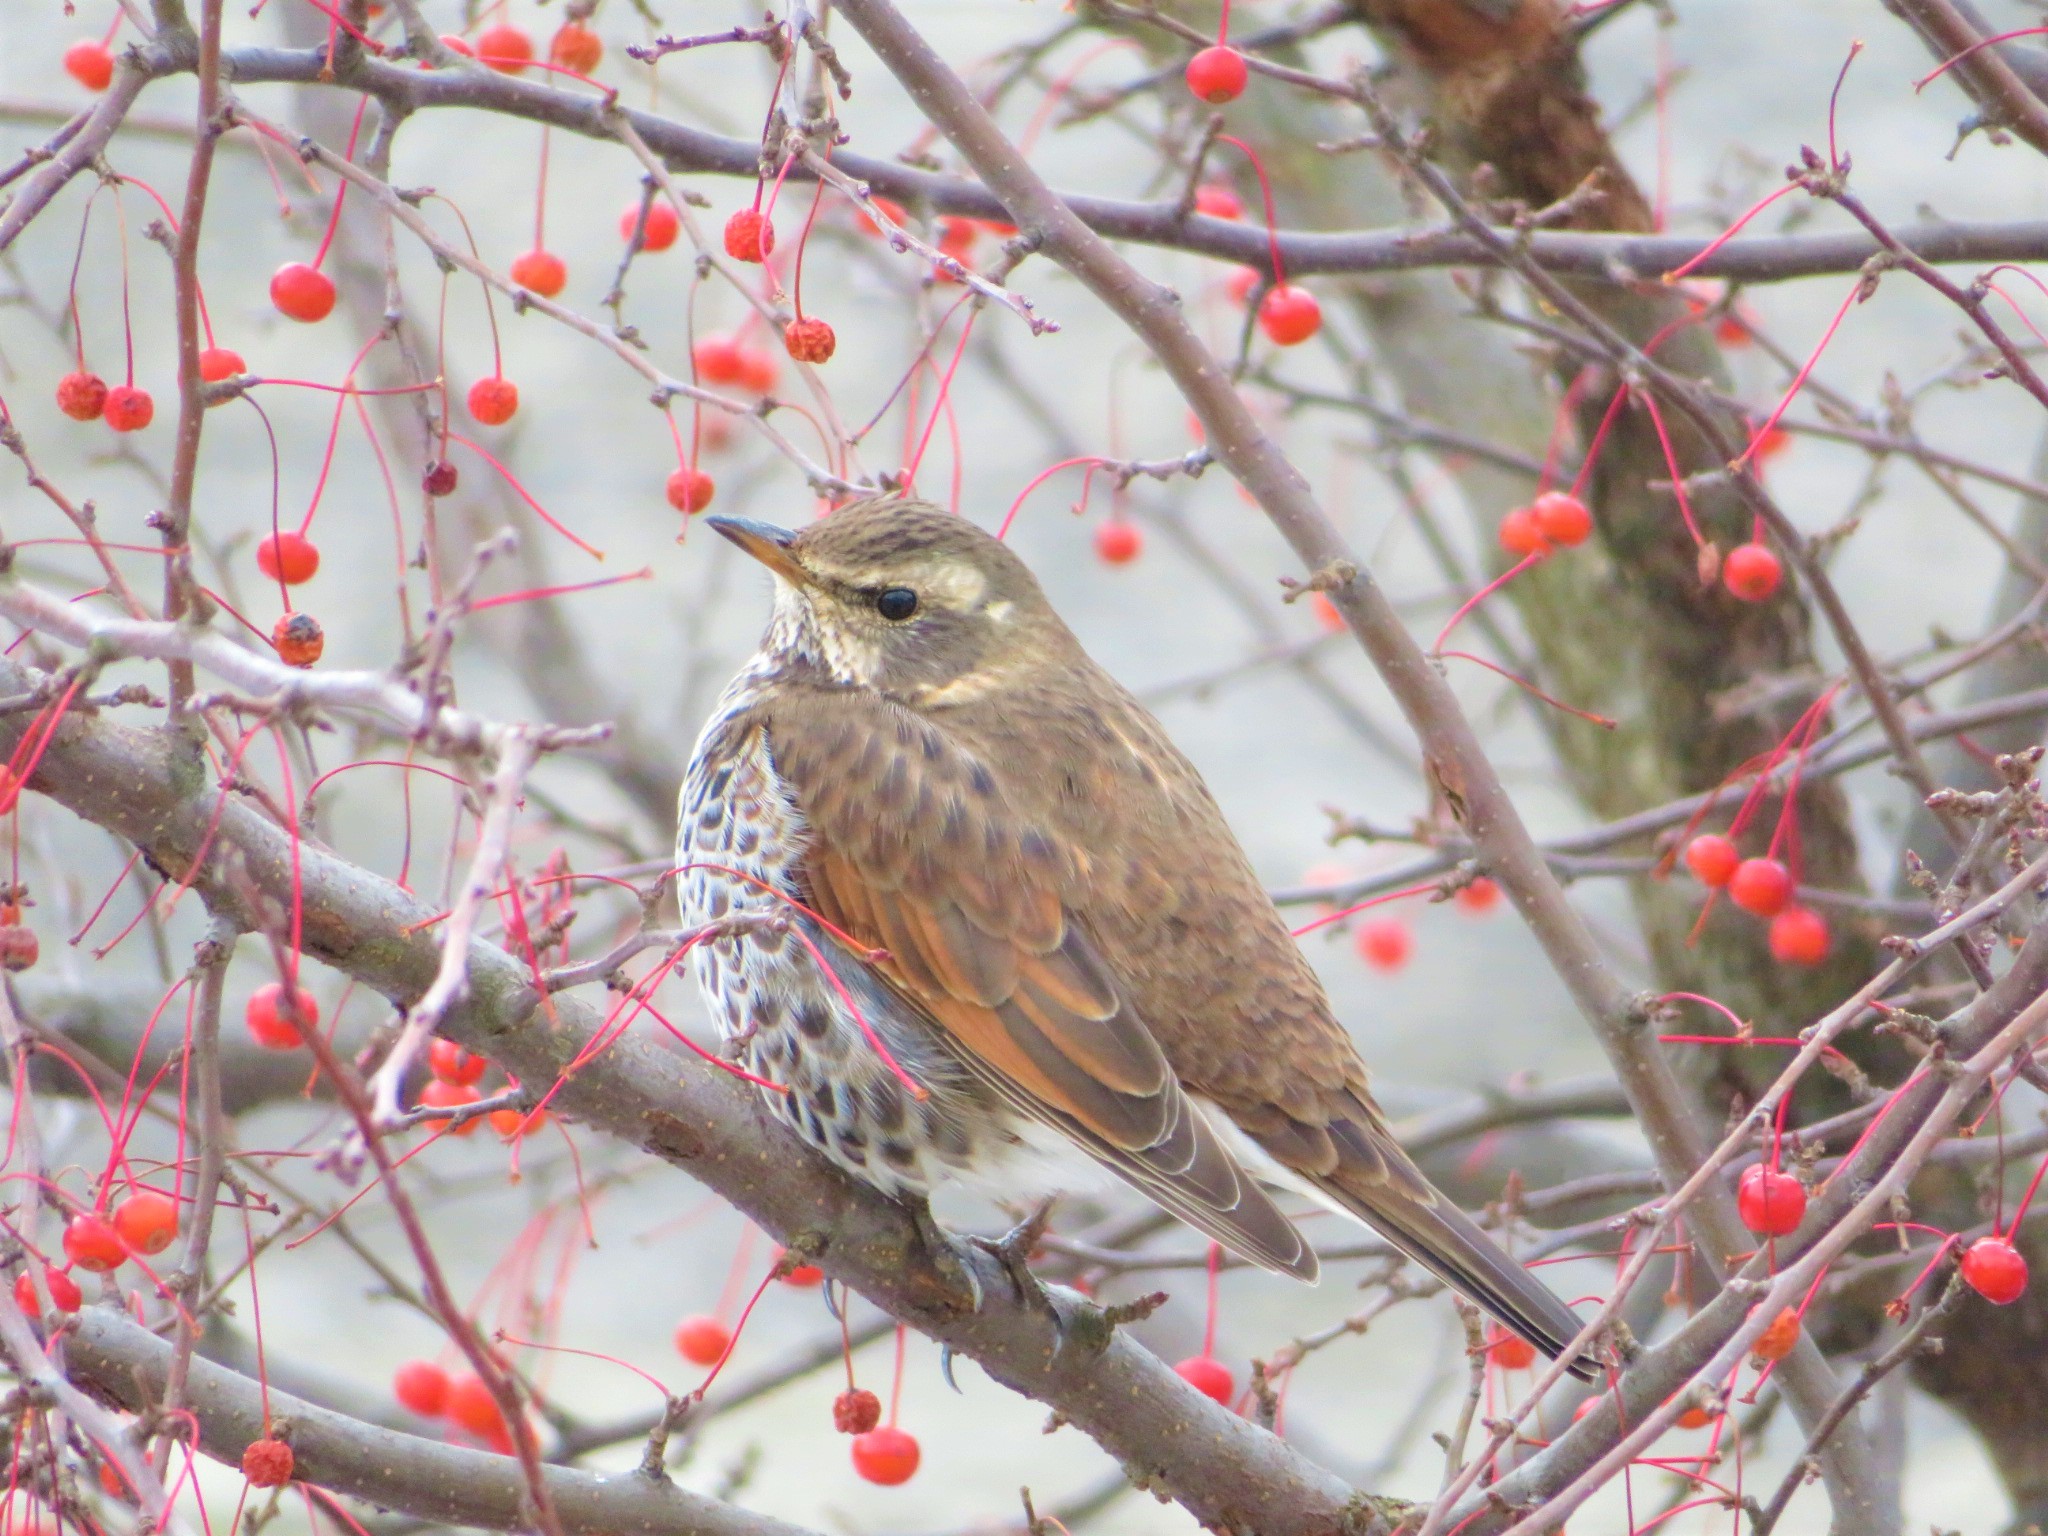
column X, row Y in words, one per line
column 969, row 915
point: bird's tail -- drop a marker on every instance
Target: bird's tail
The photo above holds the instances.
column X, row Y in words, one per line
column 1447, row 1243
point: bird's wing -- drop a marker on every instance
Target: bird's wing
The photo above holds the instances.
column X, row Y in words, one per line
column 912, row 848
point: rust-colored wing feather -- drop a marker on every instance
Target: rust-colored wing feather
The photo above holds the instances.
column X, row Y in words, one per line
column 914, row 846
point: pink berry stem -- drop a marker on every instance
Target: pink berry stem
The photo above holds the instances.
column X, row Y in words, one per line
column 2026, row 1199
column 1209, row 1322
column 796, row 280
column 1855, row 295
column 1265, row 196
column 127, row 329
column 540, row 195
column 1730, row 232
column 1531, row 689
column 944, row 403
column 1534, row 558
column 1428, row 887
column 341, row 186
column 1223, row 36
column 896, row 1386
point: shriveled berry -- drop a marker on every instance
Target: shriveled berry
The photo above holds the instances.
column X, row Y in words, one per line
column 1521, row 535
column 576, row 47
column 505, row 48
column 1995, row 1270
column 1799, row 936
column 1118, row 542
column 19, row 949
column 809, row 340
column 1563, row 518
column 1712, row 859
column 442, row 1094
column 267, row 1463
column 493, row 401
column 91, row 1243
column 452, row 1064
column 663, row 225
column 218, row 363
column 856, row 1411
column 278, row 1019
column 65, row 1295
column 302, row 293
column 89, row 63
column 1217, row 74
column 82, row 396
column 421, row 1387
column 440, row 478
column 1384, row 943
column 1289, row 315
column 1770, row 1203
column 543, row 272
column 690, row 490
column 299, row 639
column 1761, row 886
column 129, row 409
column 289, row 557
column 1778, row 1339
column 146, row 1221
column 1208, row 1376
column 888, row 1456
column 1751, row 572
column 749, row 236
column 702, row 1340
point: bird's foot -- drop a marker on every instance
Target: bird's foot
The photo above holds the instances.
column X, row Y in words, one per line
column 1014, row 1248
column 955, row 1266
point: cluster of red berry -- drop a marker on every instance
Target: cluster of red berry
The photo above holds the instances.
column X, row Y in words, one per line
column 1763, row 887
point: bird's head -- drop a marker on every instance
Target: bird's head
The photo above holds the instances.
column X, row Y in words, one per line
column 902, row 597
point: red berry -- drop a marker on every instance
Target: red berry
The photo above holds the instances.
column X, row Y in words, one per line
column 1770, row 1203
column 576, row 47
column 1510, row 1351
column 887, row 1456
column 542, row 272
column 65, row 1295
column 278, row 1020
column 1774, row 441
column 1712, row 859
column 298, row 639
column 218, row 363
column 442, row 1094
column 1118, row 542
column 749, row 236
column 1762, row 886
column 1731, row 331
column 663, row 225
column 91, row 1243
column 690, row 490
column 1218, row 202
column 516, row 1124
column 1239, row 284
column 422, row 1387
column 887, row 207
column 440, row 479
column 1217, row 74
column 1777, row 1340
column 89, row 63
column 856, row 1411
column 1799, row 936
column 1326, row 613
column 267, row 1463
column 1563, row 518
column 1521, row 534
column 505, row 48
column 471, row 1406
column 452, row 1064
column 1289, row 315
column 702, row 1340
column 718, row 360
column 129, row 409
column 1752, row 572
column 291, row 558
column 146, row 1221
column 456, row 44
column 82, row 396
column 758, row 369
column 809, row 340
column 804, row 1276
column 1384, row 943
column 1994, row 1269
column 1695, row 1418
column 493, row 401
column 1208, row 1376
column 301, row 292
column 1482, row 895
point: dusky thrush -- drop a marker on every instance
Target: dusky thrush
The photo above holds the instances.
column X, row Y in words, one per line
column 1028, row 904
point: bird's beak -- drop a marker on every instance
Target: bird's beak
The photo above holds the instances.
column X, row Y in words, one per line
column 766, row 543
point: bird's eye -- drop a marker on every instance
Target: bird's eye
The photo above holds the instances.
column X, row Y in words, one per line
column 896, row 603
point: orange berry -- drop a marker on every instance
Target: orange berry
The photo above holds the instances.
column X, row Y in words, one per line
column 1217, row 75
column 663, row 225
column 291, row 558
column 809, row 340
column 1522, row 535
column 218, row 363
column 543, row 272
column 1384, row 943
column 702, row 1340
column 1289, row 315
column 1712, row 859
column 576, row 47
column 299, row 639
column 422, row 1388
column 146, row 1221
column 442, row 1094
column 82, row 396
column 1118, row 542
column 1482, row 895
column 89, row 63
column 278, row 1020
column 505, row 48
column 1761, row 886
column 1563, row 518
column 493, row 401
column 1751, row 572
column 1799, row 936
column 303, row 293
column 129, row 409
column 92, row 1244
column 690, row 490
column 1510, row 1351
column 1776, row 1341
column 888, row 1456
